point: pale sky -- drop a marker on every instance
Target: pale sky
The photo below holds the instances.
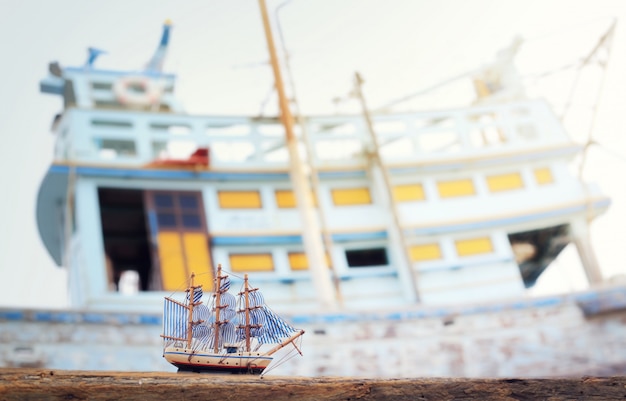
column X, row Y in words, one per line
column 219, row 52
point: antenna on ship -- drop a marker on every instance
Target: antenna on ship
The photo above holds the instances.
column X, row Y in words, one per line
column 93, row 54
column 156, row 62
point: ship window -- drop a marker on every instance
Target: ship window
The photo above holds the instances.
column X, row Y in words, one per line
column 166, row 220
column 163, row 200
column 505, row 182
column 287, row 199
column 474, row 246
column 449, row 189
column 439, row 142
column 191, row 221
column 174, row 129
column 367, row 257
column 298, row 261
column 239, row 199
column 180, row 211
column 188, row 202
column 228, row 130
column 425, row 252
column 259, row 262
column 351, row 196
column 114, row 148
column 102, row 85
column 543, row 176
column 111, row 123
column 407, row 193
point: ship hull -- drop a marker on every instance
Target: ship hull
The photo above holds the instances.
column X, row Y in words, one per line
column 239, row 362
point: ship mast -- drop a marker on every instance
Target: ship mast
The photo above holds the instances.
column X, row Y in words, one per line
column 379, row 168
column 191, row 305
column 311, row 232
column 218, row 293
column 247, row 307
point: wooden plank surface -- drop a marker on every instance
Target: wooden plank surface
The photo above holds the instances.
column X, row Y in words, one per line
column 39, row 384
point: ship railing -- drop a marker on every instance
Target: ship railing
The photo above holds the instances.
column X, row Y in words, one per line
column 137, row 138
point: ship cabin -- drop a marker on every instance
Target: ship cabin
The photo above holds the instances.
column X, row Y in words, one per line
column 463, row 205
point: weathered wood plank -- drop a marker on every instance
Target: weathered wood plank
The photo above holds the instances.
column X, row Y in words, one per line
column 38, row 384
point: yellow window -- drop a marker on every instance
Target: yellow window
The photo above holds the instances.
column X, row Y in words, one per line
column 425, row 252
column 239, row 199
column 351, row 196
column 406, row 193
column 298, row 261
column 449, row 189
column 474, row 246
column 257, row 262
column 505, row 182
column 543, row 176
column 287, row 199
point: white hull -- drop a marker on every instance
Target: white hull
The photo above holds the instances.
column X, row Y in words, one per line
column 237, row 362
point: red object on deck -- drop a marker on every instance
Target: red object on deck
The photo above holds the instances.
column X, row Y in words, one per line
column 198, row 159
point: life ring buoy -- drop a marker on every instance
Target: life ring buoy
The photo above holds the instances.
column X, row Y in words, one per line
column 137, row 91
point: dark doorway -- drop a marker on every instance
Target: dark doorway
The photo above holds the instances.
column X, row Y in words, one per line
column 535, row 250
column 125, row 235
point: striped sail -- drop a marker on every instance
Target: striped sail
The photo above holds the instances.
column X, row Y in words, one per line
column 197, row 295
column 276, row 329
column 226, row 335
column 174, row 321
column 271, row 328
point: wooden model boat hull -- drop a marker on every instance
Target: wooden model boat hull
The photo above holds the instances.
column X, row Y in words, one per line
column 202, row 361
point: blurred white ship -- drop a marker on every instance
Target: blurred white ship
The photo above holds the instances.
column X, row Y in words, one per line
column 432, row 226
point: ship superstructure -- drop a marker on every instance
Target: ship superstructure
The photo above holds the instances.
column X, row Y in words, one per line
column 433, row 207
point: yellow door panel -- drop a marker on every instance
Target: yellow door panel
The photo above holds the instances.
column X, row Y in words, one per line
column 173, row 271
column 199, row 259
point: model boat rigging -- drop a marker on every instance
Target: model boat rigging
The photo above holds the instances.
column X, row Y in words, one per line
column 228, row 335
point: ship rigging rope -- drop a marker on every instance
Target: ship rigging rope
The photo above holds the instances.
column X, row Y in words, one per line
column 290, row 355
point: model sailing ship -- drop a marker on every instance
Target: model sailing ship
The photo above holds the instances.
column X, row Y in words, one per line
column 227, row 335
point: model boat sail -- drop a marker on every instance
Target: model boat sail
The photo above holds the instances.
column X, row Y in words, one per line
column 230, row 334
